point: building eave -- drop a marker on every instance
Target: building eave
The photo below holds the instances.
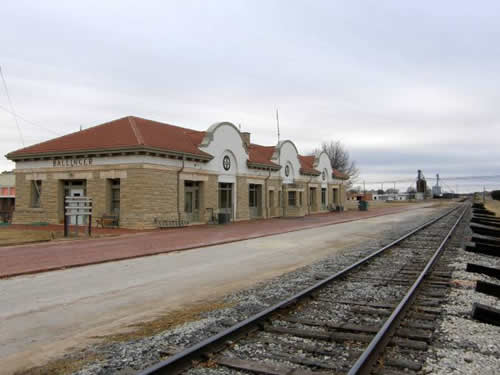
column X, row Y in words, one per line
column 107, row 151
column 251, row 164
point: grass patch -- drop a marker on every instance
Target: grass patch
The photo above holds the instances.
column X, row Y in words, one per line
column 63, row 366
column 165, row 322
column 10, row 236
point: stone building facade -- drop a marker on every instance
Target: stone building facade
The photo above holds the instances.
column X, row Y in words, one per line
column 146, row 172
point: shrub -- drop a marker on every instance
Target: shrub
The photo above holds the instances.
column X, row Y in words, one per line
column 495, row 194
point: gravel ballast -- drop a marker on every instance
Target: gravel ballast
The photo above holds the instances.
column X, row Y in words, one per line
column 130, row 356
column 463, row 345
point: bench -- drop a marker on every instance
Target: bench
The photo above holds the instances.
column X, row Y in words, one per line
column 170, row 223
column 107, row 221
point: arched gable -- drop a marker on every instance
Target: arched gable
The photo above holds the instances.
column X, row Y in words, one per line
column 286, row 154
column 323, row 164
column 224, row 139
column 210, row 134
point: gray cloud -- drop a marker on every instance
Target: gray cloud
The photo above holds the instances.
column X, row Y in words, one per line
column 402, row 84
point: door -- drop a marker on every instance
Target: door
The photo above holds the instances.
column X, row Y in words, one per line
column 271, row 202
column 77, row 220
column 226, row 198
column 335, row 196
column 192, row 203
column 254, row 200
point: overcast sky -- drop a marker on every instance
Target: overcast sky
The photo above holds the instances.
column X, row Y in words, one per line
column 405, row 85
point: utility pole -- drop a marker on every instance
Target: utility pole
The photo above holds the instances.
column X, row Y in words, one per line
column 364, row 188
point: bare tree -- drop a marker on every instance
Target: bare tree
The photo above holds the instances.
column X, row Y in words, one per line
column 340, row 158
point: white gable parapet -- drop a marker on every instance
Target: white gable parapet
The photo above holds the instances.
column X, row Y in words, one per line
column 224, row 141
column 286, row 154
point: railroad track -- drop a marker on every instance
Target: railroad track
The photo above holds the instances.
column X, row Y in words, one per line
column 375, row 316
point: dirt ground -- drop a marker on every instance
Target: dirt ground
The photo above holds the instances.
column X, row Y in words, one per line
column 166, row 320
column 10, row 236
column 494, row 206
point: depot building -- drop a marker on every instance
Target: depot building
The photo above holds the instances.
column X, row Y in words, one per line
column 145, row 172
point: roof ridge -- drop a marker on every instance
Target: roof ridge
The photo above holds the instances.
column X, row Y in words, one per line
column 86, row 130
column 135, row 129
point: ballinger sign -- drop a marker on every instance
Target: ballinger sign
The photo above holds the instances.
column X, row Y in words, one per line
column 80, row 162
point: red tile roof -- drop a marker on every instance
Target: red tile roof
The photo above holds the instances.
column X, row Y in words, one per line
column 126, row 132
column 307, row 165
column 337, row 174
column 261, row 155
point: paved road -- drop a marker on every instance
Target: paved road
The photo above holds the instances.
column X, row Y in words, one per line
column 44, row 314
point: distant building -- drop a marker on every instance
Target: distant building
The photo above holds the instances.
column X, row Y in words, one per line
column 7, row 195
column 391, row 197
column 436, row 189
column 355, row 196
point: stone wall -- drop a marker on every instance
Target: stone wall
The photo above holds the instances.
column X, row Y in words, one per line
column 242, row 210
column 148, row 194
column 48, row 212
column 210, row 200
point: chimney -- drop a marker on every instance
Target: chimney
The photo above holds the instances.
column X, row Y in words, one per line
column 246, row 137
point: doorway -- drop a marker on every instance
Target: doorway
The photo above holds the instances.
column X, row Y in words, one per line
column 226, row 199
column 192, row 200
column 75, row 188
column 254, row 200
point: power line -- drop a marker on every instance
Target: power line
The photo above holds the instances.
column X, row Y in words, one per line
column 432, row 178
column 28, row 121
column 11, row 106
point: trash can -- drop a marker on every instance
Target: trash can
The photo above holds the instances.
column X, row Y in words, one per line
column 223, row 218
column 363, row 206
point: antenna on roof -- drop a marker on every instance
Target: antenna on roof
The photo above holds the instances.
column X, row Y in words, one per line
column 80, row 128
column 278, row 124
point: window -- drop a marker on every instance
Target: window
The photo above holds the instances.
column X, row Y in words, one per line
column 312, row 196
column 323, row 197
column 271, row 199
column 292, row 198
column 300, row 198
column 225, row 195
column 36, row 193
column 252, row 195
column 115, row 196
column 280, row 199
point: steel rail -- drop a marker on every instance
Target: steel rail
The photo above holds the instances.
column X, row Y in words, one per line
column 183, row 359
column 365, row 362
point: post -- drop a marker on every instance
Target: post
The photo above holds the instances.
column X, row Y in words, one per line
column 90, row 218
column 484, row 194
column 65, row 220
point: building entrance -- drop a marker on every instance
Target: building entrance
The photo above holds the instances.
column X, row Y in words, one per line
column 75, row 188
column 226, row 198
column 192, row 200
column 254, row 200
column 335, row 196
